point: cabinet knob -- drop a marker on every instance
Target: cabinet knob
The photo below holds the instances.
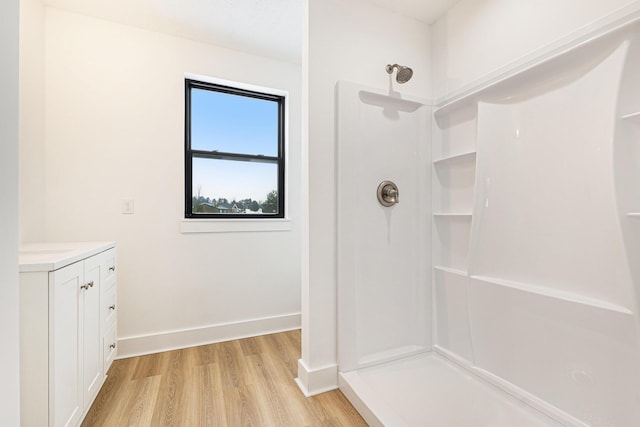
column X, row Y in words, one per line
column 86, row 286
column 112, row 307
column 112, row 345
column 112, row 268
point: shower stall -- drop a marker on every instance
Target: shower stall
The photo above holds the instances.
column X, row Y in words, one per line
column 500, row 288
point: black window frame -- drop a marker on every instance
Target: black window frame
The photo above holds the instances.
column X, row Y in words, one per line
column 190, row 154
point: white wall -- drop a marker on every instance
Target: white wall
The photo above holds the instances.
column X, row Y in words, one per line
column 348, row 40
column 477, row 37
column 10, row 354
column 32, row 137
column 114, row 130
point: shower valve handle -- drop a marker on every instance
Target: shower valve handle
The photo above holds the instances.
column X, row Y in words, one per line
column 388, row 194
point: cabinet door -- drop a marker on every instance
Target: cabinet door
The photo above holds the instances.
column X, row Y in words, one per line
column 65, row 394
column 91, row 342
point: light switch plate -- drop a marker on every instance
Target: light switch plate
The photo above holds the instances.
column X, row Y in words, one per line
column 127, row 206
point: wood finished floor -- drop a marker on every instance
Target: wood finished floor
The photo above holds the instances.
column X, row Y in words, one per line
column 247, row 382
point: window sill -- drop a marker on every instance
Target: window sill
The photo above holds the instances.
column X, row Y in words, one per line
column 233, row 225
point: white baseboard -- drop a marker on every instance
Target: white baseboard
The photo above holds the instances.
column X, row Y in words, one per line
column 318, row 380
column 172, row 340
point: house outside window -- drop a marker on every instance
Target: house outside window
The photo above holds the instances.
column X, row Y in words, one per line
column 234, row 151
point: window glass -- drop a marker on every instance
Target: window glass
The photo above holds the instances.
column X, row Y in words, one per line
column 217, row 188
column 233, row 124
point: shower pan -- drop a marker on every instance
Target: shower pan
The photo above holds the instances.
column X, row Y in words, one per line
column 502, row 289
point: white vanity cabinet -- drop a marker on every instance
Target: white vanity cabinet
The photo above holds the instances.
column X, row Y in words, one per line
column 67, row 315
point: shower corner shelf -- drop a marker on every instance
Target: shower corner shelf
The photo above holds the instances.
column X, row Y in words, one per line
column 455, row 157
column 635, row 116
column 458, row 271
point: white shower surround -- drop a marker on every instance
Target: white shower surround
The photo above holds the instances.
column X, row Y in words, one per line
column 535, row 219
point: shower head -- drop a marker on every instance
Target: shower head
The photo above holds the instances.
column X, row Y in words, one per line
column 404, row 73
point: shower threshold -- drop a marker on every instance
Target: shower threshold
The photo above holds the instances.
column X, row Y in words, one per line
column 428, row 390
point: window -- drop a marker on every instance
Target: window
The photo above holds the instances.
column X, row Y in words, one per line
column 234, row 152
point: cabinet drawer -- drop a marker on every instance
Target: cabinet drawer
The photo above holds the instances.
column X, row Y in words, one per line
column 110, row 347
column 108, row 308
column 108, row 269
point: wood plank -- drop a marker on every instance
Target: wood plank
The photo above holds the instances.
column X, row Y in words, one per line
column 139, row 409
column 208, row 400
column 171, row 406
column 150, row 365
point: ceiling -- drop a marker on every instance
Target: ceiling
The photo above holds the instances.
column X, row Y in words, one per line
column 270, row 28
column 427, row 11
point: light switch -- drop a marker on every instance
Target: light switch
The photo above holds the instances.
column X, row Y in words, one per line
column 127, row 206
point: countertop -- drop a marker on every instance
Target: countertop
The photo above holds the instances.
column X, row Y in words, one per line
column 52, row 256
